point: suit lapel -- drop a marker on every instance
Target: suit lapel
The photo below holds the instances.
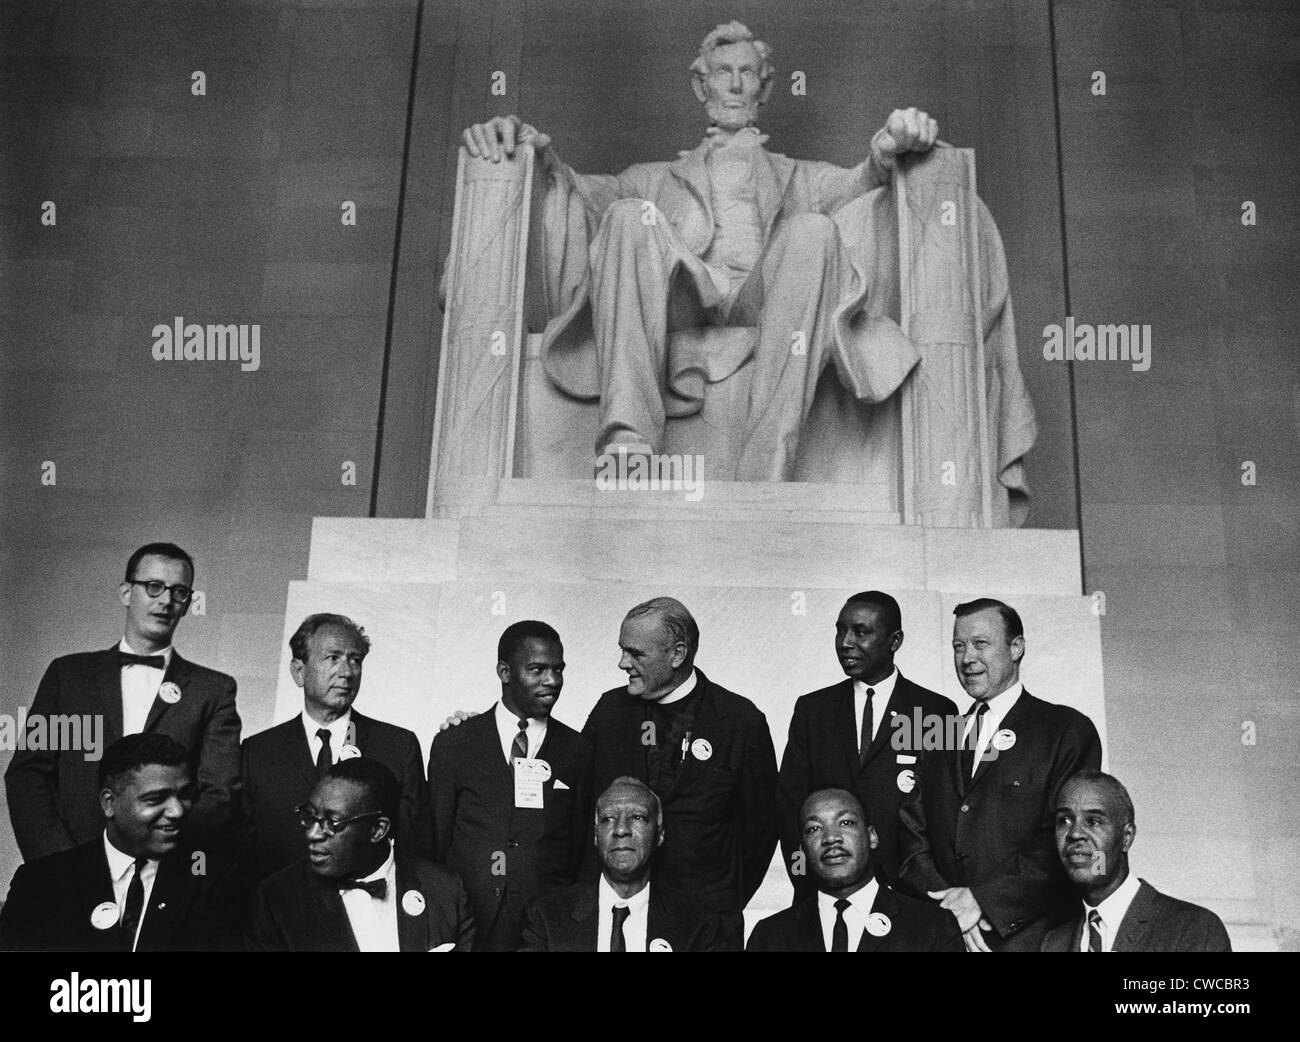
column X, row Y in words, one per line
column 168, row 889
column 692, row 173
column 328, row 919
column 94, row 887
column 1012, row 721
column 412, row 930
column 845, row 726
column 585, row 917
column 772, row 173
column 885, row 905
column 1136, row 924
column 179, row 673
column 107, row 683
column 706, row 726
column 808, row 927
column 880, row 740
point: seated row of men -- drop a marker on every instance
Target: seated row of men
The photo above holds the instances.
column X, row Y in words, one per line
column 964, row 826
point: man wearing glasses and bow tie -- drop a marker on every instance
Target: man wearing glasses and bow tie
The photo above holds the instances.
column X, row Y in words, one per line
column 142, row 684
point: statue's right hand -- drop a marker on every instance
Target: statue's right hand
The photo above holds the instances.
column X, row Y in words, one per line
column 456, row 719
column 498, row 137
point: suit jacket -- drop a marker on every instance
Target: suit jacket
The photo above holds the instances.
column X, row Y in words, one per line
column 822, row 751
column 915, row 926
column 720, row 812
column 995, row 833
column 567, row 921
column 51, row 900
column 54, row 796
column 296, row 911
column 475, row 821
column 1154, row 922
column 279, row 773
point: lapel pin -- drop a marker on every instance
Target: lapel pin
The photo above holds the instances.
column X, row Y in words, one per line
column 104, row 916
column 701, row 749
column 878, row 924
column 169, row 693
column 1004, row 739
column 413, row 902
column 659, row 945
column 906, row 781
column 349, row 752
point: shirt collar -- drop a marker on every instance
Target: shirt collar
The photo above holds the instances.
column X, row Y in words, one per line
column 166, row 652
column 1113, row 909
column 882, row 690
column 680, row 691
column 119, row 864
column 382, row 872
column 338, row 729
column 508, row 727
column 1000, row 704
column 861, row 900
column 636, row 904
column 746, row 137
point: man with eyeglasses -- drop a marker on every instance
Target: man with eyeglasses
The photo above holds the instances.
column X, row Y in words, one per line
column 357, row 892
column 142, row 684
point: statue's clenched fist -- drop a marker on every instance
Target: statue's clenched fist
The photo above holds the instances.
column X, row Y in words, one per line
column 906, row 130
column 498, row 137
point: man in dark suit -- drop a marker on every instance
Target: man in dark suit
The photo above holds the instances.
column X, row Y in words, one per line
column 281, row 764
column 850, row 910
column 624, row 910
column 859, row 734
column 357, row 891
column 1095, row 827
column 133, row 887
column 140, row 684
column 977, row 828
column 510, row 790
column 705, row 751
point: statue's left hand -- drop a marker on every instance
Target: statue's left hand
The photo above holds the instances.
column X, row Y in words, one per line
column 906, row 130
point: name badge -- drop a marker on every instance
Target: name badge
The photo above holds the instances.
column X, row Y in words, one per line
column 530, row 777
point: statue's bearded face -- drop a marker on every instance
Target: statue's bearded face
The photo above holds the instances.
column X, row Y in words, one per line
column 731, row 89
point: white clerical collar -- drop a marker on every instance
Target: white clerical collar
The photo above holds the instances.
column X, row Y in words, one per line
column 862, row 900
column 636, row 904
column 882, row 690
column 681, row 691
column 1113, row 909
column 119, row 863
column 338, row 729
column 166, row 652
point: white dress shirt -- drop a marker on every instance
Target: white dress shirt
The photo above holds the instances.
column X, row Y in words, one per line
column 1112, row 912
column 999, row 706
column 508, row 727
column 855, row 916
column 634, row 926
column 338, row 734
column 879, row 703
column 121, row 867
column 139, row 688
column 374, row 919
column 680, row 691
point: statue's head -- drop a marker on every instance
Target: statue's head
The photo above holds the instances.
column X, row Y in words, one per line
column 732, row 76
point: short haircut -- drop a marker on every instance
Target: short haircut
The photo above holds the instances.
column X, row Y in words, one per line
column 1010, row 617
column 628, row 782
column 514, row 635
column 379, row 783
column 301, row 638
column 851, row 797
column 139, row 750
column 168, row 550
column 890, row 614
column 1109, row 782
column 733, row 32
column 679, row 622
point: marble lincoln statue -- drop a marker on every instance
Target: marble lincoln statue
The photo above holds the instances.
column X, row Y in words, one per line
column 728, row 234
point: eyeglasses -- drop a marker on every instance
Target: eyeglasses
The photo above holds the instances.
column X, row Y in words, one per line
column 181, row 594
column 307, row 817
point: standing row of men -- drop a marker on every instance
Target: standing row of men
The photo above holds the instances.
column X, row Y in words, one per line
column 331, row 824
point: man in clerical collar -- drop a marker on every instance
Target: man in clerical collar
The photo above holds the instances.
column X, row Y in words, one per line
column 141, row 684
column 356, row 891
column 624, row 910
column 1095, row 827
column 132, row 887
column 851, row 909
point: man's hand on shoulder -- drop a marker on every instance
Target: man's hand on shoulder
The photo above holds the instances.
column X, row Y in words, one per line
column 498, row 137
column 966, row 910
column 906, row 130
column 456, row 719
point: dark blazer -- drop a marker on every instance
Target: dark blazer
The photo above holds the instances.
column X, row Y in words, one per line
column 54, row 796
column 279, row 773
column 567, row 921
column 995, row 833
column 475, row 822
column 1154, row 922
column 822, row 751
column 296, row 911
column 720, row 813
column 915, row 926
column 51, row 900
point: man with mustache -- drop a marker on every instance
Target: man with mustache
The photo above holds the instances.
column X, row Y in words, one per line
column 510, row 790
column 625, row 910
column 977, row 828
column 141, row 684
column 283, row 763
column 133, row 887
column 1095, row 828
column 850, row 908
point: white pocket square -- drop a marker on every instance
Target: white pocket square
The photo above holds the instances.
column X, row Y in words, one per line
column 559, row 784
column 443, row 947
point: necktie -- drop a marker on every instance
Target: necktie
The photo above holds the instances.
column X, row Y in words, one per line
column 374, row 887
column 1094, row 931
column 864, row 742
column 840, row 933
column 125, row 658
column 134, row 902
column 323, row 759
column 968, row 747
column 617, row 942
column 519, row 748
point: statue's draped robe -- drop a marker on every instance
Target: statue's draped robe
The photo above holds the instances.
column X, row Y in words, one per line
column 871, row 354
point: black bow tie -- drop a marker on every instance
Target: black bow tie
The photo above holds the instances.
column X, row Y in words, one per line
column 125, row 658
column 375, row 887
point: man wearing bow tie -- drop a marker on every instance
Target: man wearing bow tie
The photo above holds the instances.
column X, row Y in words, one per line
column 140, row 685
column 729, row 234
column 356, row 891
